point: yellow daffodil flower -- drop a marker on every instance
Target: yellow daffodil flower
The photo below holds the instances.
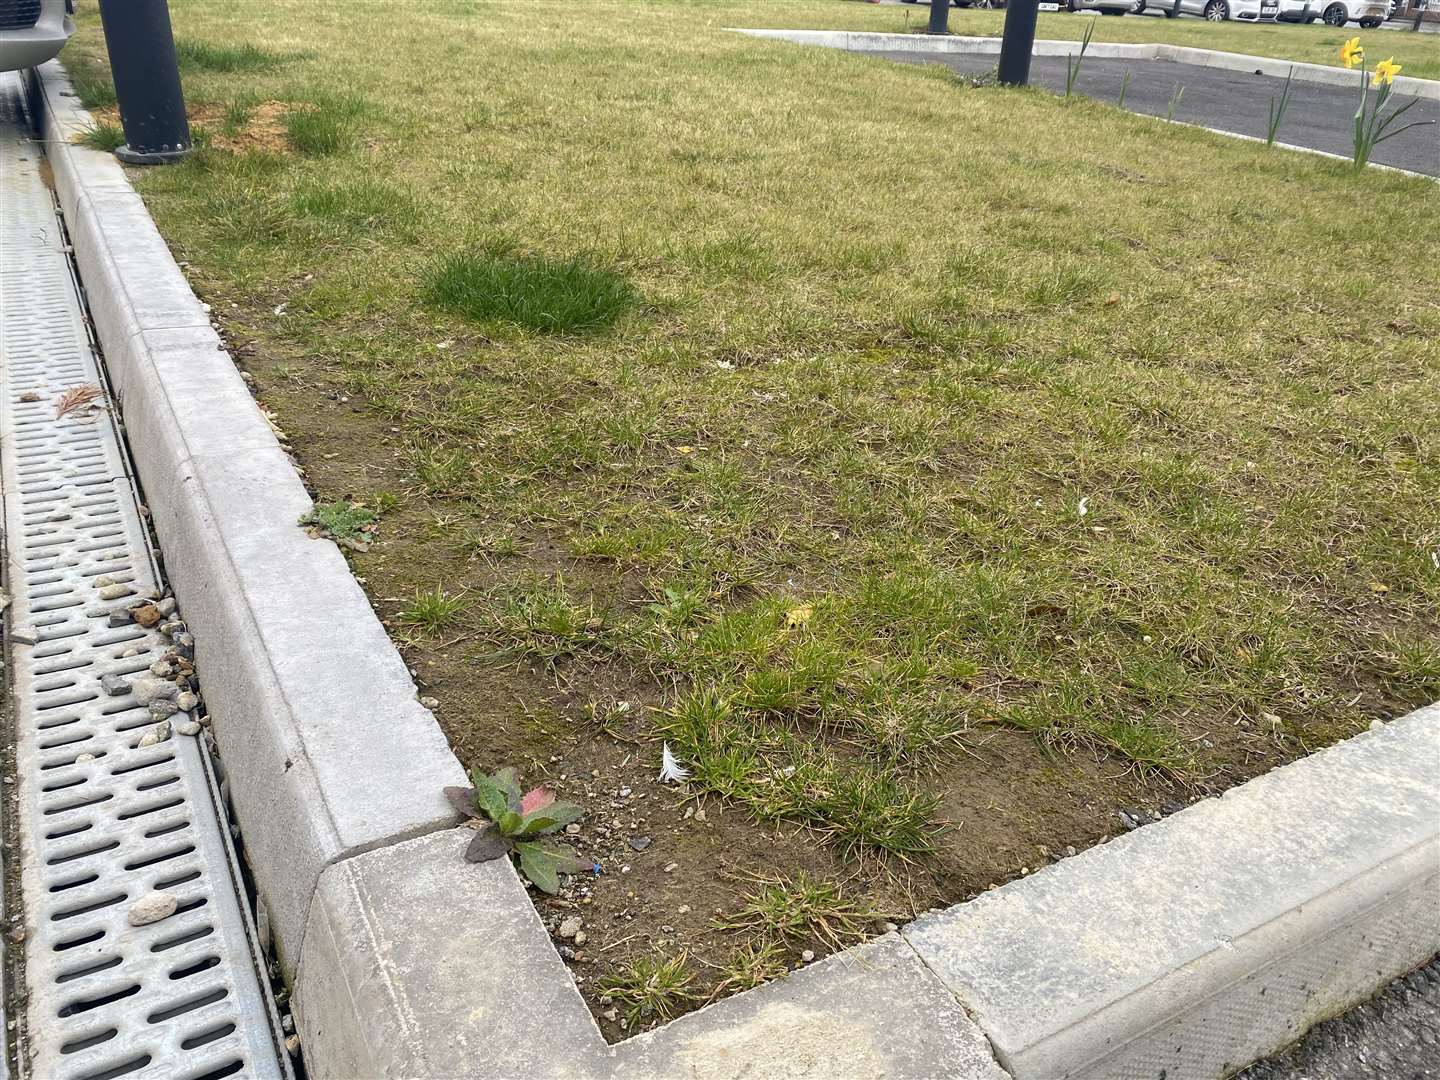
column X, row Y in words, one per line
column 1351, row 53
column 1385, row 72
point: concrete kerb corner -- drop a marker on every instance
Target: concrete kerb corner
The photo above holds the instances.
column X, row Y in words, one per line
column 328, row 751
column 869, row 41
column 1191, row 946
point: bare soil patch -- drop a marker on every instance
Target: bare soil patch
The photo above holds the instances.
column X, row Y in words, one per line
column 263, row 130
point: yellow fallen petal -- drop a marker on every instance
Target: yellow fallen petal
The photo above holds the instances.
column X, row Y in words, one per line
column 1378, row 587
column 798, row 616
column 684, row 449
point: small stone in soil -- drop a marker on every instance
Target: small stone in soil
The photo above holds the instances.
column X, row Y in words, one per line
column 572, row 829
column 569, row 927
column 580, row 938
column 640, row 843
column 700, row 815
column 671, row 866
column 807, row 955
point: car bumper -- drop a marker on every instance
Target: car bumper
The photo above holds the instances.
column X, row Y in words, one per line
column 21, row 49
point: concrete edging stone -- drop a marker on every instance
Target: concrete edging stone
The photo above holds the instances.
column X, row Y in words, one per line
column 1190, row 946
column 868, row 41
column 329, row 751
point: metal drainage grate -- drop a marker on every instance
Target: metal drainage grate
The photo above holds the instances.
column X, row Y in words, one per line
column 102, row 820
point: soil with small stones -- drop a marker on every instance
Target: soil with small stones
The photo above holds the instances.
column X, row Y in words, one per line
column 1011, row 806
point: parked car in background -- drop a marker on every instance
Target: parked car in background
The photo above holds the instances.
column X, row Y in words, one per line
column 1368, row 13
column 1105, row 7
column 1223, row 10
column 33, row 31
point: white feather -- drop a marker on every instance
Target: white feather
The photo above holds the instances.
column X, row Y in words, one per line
column 670, row 770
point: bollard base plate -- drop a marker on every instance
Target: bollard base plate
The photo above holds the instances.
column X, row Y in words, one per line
column 159, row 157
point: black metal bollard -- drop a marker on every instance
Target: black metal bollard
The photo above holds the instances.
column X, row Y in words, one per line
column 1018, row 42
column 939, row 17
column 147, row 81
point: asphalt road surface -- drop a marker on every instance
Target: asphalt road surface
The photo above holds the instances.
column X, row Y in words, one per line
column 1394, row 1036
column 1319, row 117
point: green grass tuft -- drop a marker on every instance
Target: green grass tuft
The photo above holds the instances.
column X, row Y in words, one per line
column 432, row 609
column 104, row 136
column 206, row 56
column 650, row 987
column 327, row 127
column 538, row 293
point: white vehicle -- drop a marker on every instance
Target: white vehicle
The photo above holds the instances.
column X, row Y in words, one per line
column 1105, row 7
column 33, row 31
column 1368, row 13
column 1224, row 10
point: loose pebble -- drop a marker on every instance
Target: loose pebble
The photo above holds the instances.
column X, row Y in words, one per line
column 808, row 955
column 569, row 927
column 157, row 734
column 115, row 592
column 147, row 689
column 188, row 727
column 152, row 907
column 114, row 685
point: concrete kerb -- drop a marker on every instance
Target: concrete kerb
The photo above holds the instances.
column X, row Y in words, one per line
column 328, row 749
column 1191, row 945
column 866, row 41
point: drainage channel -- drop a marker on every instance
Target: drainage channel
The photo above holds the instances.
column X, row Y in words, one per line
column 105, row 815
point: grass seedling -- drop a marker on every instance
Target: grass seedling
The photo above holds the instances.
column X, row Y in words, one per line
column 1277, row 110
column 1174, row 102
column 432, row 609
column 1124, row 86
column 752, row 964
column 507, row 822
column 103, row 136
column 790, row 910
column 652, row 986
column 1073, row 62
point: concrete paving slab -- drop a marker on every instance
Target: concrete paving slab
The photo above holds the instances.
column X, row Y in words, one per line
column 874, row 1011
column 418, row 963
column 1218, row 935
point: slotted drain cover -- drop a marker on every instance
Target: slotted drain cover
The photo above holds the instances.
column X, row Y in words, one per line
column 102, row 820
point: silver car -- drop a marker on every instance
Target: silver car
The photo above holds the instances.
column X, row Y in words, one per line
column 1224, row 10
column 33, row 31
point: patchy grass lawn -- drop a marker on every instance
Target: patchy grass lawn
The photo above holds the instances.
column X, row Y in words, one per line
column 942, row 471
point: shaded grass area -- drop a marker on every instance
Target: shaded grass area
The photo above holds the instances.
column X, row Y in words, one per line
column 1127, row 445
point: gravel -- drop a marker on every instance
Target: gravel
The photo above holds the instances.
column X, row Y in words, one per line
column 1395, row 1035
